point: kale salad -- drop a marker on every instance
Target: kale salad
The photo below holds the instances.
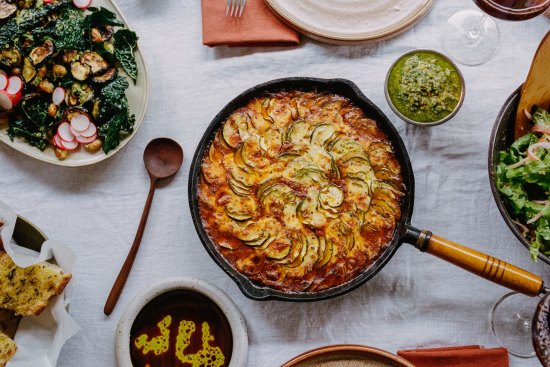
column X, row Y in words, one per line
column 523, row 178
column 61, row 83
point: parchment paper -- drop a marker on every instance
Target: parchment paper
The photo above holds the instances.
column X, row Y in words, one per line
column 40, row 338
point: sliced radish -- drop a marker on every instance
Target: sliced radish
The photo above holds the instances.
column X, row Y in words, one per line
column 80, row 122
column 83, row 140
column 3, row 81
column 69, row 145
column 57, row 141
column 64, row 132
column 47, row 2
column 92, row 130
column 5, row 100
column 75, row 133
column 58, row 95
column 15, row 98
column 15, row 85
column 82, row 4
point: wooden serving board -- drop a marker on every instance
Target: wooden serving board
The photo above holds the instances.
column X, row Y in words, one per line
column 536, row 90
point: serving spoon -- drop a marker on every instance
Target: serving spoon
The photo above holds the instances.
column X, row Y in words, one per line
column 536, row 90
column 163, row 157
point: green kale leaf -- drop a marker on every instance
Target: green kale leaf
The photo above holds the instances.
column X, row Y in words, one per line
column 37, row 125
column 102, row 17
column 68, row 32
column 26, row 20
column 115, row 114
column 125, row 41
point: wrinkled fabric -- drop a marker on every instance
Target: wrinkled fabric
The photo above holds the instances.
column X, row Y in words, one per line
column 416, row 301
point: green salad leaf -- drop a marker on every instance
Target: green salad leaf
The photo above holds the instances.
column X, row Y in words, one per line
column 68, row 33
column 525, row 186
column 125, row 41
column 115, row 113
column 26, row 20
column 36, row 127
column 102, row 17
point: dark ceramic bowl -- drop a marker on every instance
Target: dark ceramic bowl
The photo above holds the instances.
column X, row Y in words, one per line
column 28, row 235
column 502, row 137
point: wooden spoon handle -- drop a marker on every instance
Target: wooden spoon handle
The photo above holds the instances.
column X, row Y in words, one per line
column 488, row 267
column 125, row 270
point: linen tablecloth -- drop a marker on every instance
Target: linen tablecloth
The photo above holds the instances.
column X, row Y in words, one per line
column 415, row 301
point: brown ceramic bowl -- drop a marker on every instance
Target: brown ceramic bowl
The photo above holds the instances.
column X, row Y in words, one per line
column 502, row 137
column 347, row 355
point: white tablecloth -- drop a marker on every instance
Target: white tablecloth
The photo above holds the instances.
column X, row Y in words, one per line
column 415, row 301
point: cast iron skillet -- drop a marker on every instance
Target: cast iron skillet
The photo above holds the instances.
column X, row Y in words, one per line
column 471, row 260
column 502, row 137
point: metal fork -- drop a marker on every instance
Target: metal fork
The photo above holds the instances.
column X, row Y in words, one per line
column 234, row 8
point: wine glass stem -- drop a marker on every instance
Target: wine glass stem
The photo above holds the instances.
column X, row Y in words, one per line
column 475, row 30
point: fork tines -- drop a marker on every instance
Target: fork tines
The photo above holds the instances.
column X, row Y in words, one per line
column 234, row 8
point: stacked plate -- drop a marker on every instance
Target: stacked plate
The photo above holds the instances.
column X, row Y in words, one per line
column 350, row 21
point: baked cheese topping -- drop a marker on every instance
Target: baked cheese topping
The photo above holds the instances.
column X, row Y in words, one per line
column 300, row 191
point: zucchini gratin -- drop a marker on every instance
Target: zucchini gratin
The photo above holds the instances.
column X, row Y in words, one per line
column 300, row 191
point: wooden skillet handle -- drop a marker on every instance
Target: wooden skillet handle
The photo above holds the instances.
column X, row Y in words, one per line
column 476, row 262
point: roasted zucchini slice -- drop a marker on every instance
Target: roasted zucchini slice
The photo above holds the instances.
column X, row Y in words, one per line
column 94, row 61
column 80, row 71
column 40, row 53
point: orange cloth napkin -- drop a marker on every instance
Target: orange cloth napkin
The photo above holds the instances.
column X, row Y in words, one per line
column 256, row 27
column 466, row 356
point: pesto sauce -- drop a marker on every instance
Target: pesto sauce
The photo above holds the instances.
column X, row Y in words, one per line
column 424, row 86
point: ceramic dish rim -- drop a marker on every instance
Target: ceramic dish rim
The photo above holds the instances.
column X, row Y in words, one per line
column 328, row 349
column 334, row 38
column 43, row 157
column 212, row 292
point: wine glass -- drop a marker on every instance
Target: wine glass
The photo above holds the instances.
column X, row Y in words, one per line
column 472, row 37
column 518, row 330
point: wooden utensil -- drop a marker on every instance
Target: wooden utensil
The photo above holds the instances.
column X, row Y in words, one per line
column 536, row 90
column 163, row 157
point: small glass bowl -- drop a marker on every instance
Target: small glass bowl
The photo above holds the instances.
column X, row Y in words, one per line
column 419, row 123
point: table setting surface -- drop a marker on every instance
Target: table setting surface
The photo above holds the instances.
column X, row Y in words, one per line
column 416, row 301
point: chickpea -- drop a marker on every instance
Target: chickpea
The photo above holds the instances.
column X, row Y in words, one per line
column 46, row 87
column 42, row 72
column 60, row 154
column 52, row 109
column 59, row 71
column 94, row 146
column 97, row 37
column 16, row 71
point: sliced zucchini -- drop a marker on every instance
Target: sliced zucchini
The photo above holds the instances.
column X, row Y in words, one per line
column 94, row 61
column 239, row 217
column 6, row 9
column 326, row 255
column 303, row 104
column 297, row 133
column 266, row 109
column 294, row 106
column 335, row 169
column 235, row 129
column 80, row 71
column 303, row 245
column 308, row 213
column 278, row 249
column 107, row 76
column 251, row 235
column 290, row 155
column 29, row 71
column 215, row 155
column 40, row 53
column 219, row 138
column 238, row 159
column 252, row 153
column 259, row 241
column 331, row 196
column 265, row 185
column 238, row 188
column 321, row 133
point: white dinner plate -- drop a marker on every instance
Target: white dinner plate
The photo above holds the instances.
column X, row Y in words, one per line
column 138, row 96
column 350, row 21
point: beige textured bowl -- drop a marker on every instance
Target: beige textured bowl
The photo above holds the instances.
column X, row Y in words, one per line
column 347, row 355
column 138, row 96
column 226, row 305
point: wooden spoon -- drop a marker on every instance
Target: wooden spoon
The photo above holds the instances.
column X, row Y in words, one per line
column 163, row 157
column 536, row 90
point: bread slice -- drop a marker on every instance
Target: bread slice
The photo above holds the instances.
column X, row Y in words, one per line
column 27, row 291
column 7, row 349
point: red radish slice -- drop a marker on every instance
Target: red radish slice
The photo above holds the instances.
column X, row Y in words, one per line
column 64, row 132
column 3, row 81
column 15, row 98
column 82, row 4
column 57, row 141
column 83, row 140
column 15, row 84
column 80, row 122
column 58, row 96
column 47, row 2
column 5, row 100
column 91, row 131
column 69, row 145
column 76, row 133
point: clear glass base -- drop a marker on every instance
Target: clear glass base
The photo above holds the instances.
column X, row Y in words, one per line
column 471, row 37
column 511, row 319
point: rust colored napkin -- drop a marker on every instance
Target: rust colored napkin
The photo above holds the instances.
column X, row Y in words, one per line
column 465, row 356
column 256, row 27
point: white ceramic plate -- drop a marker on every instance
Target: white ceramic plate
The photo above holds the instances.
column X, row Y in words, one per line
column 138, row 96
column 350, row 21
column 222, row 300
